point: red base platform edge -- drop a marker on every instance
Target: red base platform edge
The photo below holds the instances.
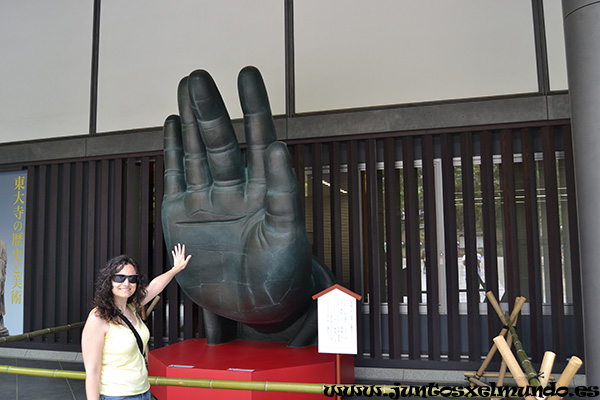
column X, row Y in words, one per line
column 244, row 361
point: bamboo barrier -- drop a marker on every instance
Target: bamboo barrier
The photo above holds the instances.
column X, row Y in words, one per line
column 68, row 327
column 530, row 372
column 45, row 331
column 503, row 366
column 519, row 302
column 512, row 364
column 184, row 382
column 546, row 367
column 391, row 391
column 568, row 373
column 151, row 306
column 525, row 376
column 508, row 375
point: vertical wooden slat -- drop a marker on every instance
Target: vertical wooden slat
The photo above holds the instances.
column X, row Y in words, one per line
column 145, row 236
column 511, row 245
column 188, row 317
column 198, row 322
column 117, row 208
column 533, row 246
column 554, row 248
column 173, row 313
column 451, row 258
column 41, row 246
column 354, row 235
column 573, row 238
column 431, row 247
column 354, row 219
column 131, row 207
column 158, row 251
column 317, row 204
column 394, row 245
column 373, row 250
column 65, row 264
column 30, row 255
column 104, row 211
column 299, row 170
column 472, row 278
column 490, row 249
column 90, row 251
column 76, row 234
column 412, row 239
column 335, row 211
column 50, row 298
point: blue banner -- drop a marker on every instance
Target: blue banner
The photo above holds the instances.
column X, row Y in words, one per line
column 13, row 194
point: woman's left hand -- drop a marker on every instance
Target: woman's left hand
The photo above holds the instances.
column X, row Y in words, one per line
column 180, row 261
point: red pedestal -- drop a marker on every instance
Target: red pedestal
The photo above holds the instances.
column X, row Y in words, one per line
column 244, row 361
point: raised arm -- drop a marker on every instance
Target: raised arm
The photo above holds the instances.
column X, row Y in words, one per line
column 159, row 283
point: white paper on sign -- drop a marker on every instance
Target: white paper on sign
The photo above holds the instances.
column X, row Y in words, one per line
column 337, row 323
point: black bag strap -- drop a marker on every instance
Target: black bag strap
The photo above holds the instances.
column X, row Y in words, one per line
column 135, row 333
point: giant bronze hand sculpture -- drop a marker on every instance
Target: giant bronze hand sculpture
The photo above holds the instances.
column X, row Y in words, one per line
column 243, row 224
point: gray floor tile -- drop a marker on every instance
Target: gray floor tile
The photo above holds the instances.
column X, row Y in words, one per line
column 8, row 382
column 38, row 388
column 23, row 387
column 77, row 385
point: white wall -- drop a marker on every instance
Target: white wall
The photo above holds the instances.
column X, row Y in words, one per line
column 555, row 43
column 45, row 58
column 349, row 53
column 147, row 46
column 361, row 53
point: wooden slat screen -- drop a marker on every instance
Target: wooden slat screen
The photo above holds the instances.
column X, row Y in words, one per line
column 392, row 213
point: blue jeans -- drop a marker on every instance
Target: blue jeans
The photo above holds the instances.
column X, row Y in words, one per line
column 142, row 396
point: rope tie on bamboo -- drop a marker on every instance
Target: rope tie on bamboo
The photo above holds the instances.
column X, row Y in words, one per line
column 266, row 386
column 533, row 381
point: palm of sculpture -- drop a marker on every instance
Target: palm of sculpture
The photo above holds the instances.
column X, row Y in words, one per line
column 243, row 224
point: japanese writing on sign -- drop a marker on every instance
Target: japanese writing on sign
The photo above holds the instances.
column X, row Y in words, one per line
column 13, row 216
column 336, row 314
column 18, row 240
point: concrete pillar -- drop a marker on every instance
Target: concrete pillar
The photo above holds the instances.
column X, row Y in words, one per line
column 582, row 41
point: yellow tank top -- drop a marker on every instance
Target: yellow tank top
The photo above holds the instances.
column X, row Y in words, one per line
column 123, row 371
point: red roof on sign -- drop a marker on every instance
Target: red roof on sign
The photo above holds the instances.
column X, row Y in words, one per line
column 339, row 287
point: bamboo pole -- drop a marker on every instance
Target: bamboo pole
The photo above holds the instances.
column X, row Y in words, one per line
column 512, row 364
column 147, row 311
column 546, row 367
column 519, row 301
column 532, row 375
column 508, row 375
column 503, row 366
column 184, row 382
column 568, row 373
column 392, row 391
column 152, row 305
column 502, row 374
column 45, row 331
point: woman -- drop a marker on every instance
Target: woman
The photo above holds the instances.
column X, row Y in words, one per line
column 114, row 365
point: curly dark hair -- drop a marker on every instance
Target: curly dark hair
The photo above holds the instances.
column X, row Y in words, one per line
column 104, row 298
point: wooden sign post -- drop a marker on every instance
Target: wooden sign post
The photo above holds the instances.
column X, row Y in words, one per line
column 337, row 329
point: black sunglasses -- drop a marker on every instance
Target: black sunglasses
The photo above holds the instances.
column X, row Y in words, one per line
column 120, row 278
